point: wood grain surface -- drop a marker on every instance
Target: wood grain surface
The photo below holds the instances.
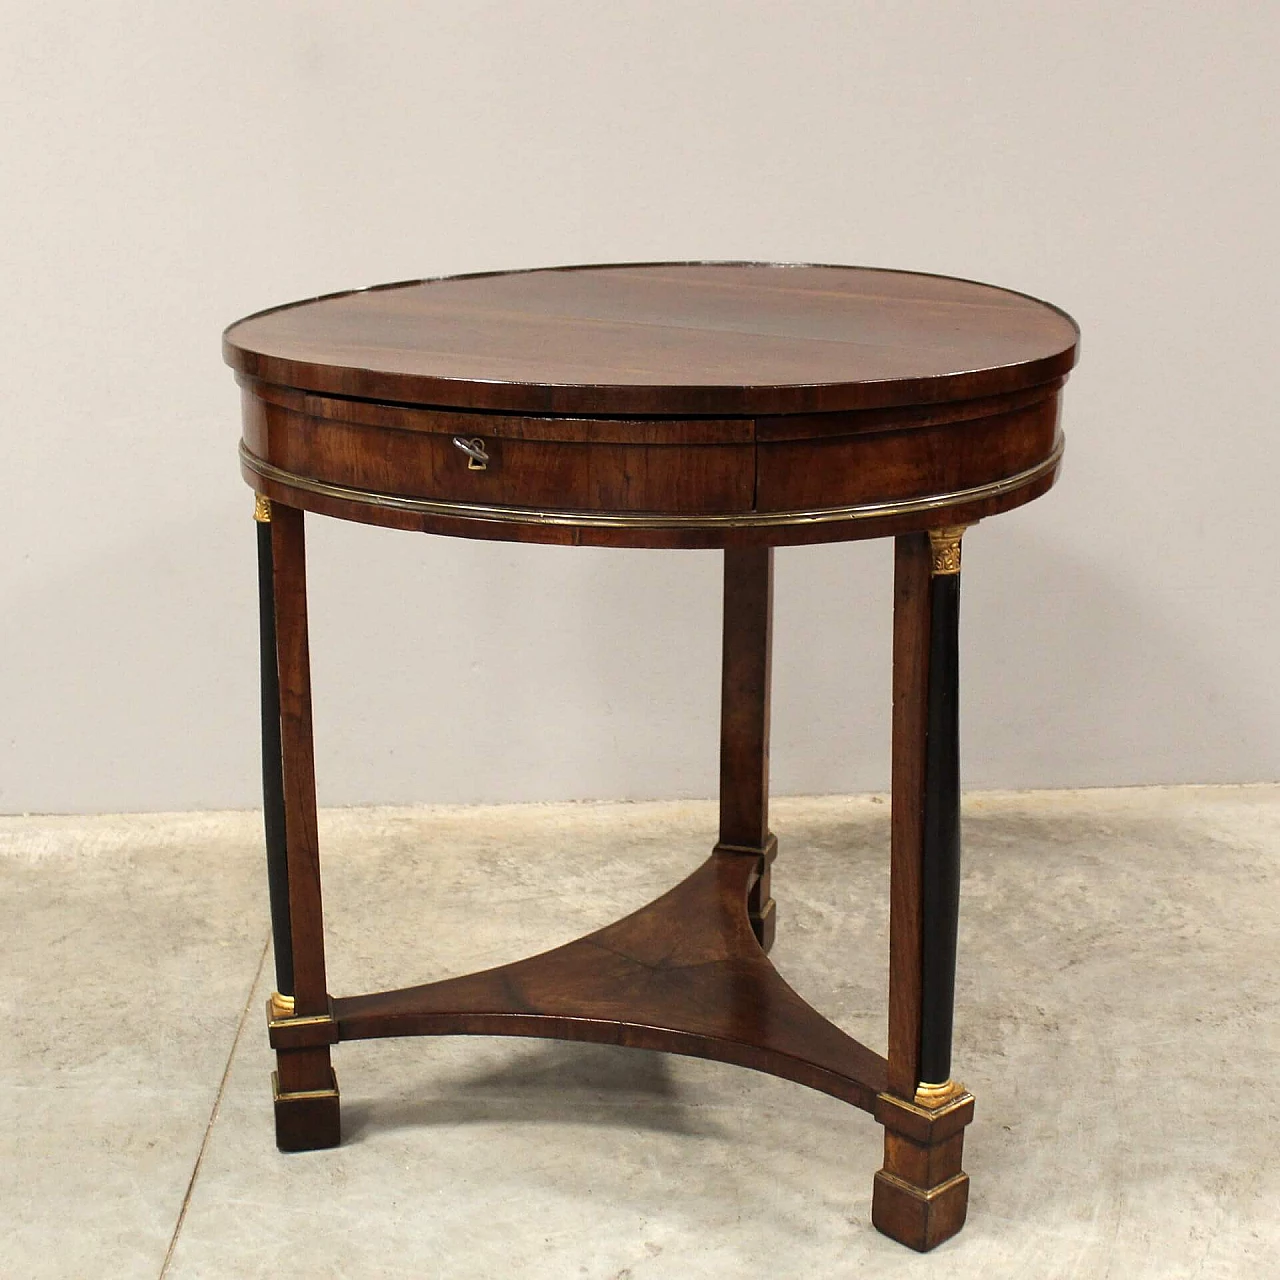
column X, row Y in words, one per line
column 662, row 339
column 684, row 974
column 659, row 405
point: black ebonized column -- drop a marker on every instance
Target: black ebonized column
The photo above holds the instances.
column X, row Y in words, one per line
column 272, row 765
column 940, row 869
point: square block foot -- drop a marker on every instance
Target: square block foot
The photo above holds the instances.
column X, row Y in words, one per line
column 919, row 1219
column 308, row 1121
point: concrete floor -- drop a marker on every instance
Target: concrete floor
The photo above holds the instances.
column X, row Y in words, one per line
column 1117, row 1020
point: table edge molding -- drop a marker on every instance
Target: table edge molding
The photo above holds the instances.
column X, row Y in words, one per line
column 656, row 520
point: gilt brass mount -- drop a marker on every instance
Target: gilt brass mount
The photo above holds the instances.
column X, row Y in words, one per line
column 280, row 1006
column 945, row 544
column 933, row 1096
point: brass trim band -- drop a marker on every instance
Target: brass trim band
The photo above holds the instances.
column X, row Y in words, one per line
column 923, row 1195
column 279, row 1095
column 312, row 1020
column 644, row 520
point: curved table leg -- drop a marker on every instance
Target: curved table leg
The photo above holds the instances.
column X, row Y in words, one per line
column 304, row 1087
column 921, row 1195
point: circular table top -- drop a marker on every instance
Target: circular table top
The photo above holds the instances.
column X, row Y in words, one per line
column 662, row 339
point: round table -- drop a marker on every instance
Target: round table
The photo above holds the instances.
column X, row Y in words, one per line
column 740, row 406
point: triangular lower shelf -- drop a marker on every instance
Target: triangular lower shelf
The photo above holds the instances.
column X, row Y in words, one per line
column 684, row 974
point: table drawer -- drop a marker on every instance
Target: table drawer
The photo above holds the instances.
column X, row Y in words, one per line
column 901, row 465
column 675, row 471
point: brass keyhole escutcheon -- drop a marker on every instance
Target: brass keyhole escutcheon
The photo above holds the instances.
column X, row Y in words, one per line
column 477, row 455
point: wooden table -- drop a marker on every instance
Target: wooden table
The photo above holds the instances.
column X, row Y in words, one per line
column 728, row 405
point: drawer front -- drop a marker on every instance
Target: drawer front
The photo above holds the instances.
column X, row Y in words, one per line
column 875, row 467
column 563, row 475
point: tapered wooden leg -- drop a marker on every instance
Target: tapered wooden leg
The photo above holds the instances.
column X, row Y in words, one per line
column 304, row 1087
column 921, row 1195
column 744, row 726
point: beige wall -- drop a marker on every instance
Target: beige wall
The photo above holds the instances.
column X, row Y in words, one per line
column 167, row 167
